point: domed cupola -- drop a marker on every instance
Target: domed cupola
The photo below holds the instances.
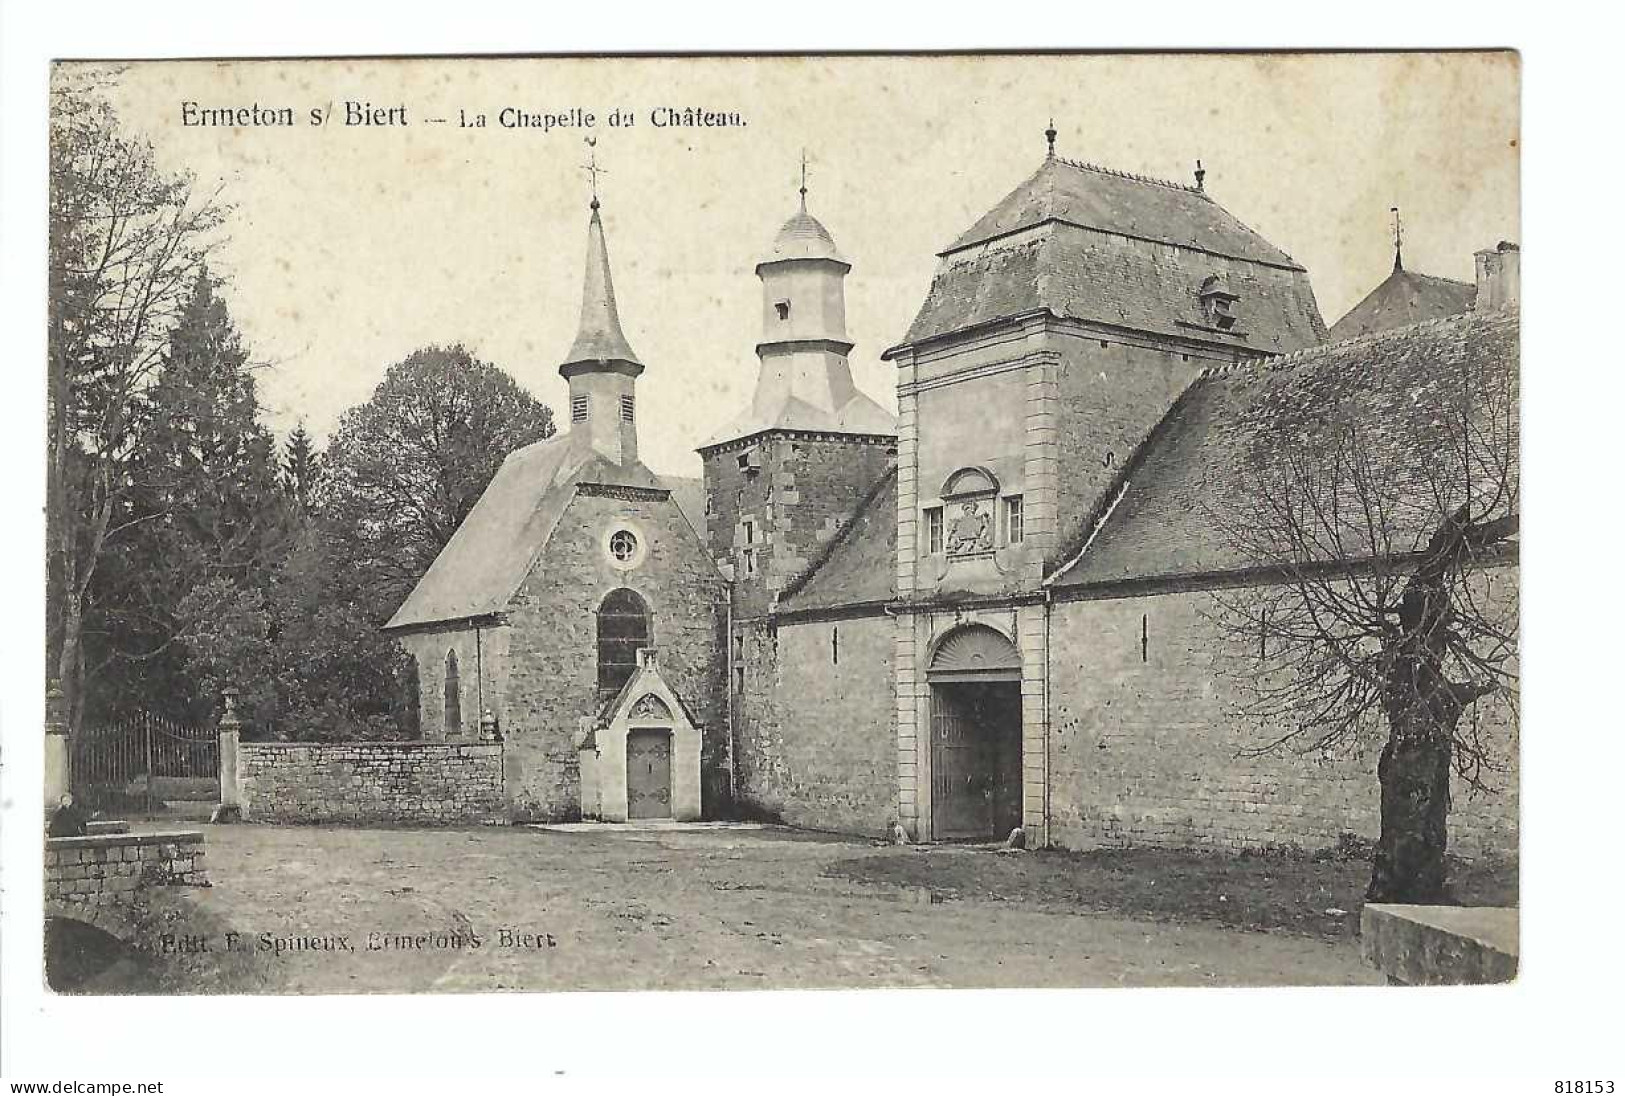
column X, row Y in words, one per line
column 804, row 237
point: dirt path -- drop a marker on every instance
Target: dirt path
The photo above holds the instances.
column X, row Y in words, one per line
column 679, row 910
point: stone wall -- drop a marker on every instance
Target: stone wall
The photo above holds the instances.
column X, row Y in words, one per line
column 85, row 874
column 1149, row 749
column 815, row 743
column 367, row 782
column 805, row 488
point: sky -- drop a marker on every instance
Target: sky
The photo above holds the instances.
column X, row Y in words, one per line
column 351, row 246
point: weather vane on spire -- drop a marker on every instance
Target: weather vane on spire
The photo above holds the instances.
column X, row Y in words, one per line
column 1399, row 238
column 1050, row 135
column 803, row 180
column 592, row 169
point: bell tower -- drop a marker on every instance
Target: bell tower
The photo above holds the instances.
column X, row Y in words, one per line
column 804, row 346
column 601, row 367
column 785, row 476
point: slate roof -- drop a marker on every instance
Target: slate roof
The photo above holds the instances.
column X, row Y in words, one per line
column 803, row 236
column 1065, row 241
column 481, row 567
column 1122, row 204
column 1202, row 460
column 689, row 495
column 860, row 565
column 599, row 337
column 859, row 415
column 1404, row 297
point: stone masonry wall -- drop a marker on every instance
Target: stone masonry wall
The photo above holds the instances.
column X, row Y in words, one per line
column 1153, row 752
column 807, row 487
column 552, row 656
column 366, row 782
column 1110, row 393
column 815, row 743
column 83, row 874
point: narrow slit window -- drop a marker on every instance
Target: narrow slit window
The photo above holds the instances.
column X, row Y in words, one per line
column 454, row 697
column 835, row 646
column 578, row 408
column 783, row 309
column 1145, row 637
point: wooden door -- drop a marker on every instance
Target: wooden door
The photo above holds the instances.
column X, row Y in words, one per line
column 958, row 769
column 975, row 760
column 648, row 774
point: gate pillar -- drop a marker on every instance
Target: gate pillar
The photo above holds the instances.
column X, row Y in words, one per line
column 57, row 777
column 231, row 793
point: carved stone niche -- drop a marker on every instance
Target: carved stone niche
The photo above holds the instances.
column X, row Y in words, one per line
column 650, row 706
column 969, row 513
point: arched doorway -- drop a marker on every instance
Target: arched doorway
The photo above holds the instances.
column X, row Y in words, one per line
column 975, row 679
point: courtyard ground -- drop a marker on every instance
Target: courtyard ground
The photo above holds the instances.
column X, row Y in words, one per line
column 627, row 908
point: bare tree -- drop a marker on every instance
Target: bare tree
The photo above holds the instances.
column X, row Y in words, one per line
column 1376, row 517
column 126, row 244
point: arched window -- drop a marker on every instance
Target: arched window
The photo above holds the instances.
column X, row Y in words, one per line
column 623, row 627
column 454, row 696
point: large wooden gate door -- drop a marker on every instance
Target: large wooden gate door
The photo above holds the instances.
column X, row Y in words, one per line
column 648, row 774
column 975, row 677
column 958, row 769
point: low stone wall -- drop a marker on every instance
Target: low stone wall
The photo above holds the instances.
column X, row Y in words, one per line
column 83, row 874
column 436, row 783
column 1441, row 945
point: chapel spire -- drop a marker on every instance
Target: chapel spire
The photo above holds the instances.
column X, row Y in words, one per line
column 602, row 367
column 600, row 343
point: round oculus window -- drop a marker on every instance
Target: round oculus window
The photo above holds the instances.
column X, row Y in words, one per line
column 623, row 546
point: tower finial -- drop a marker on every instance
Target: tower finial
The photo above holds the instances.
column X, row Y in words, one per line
column 1399, row 239
column 804, row 180
column 1201, row 173
column 1050, row 135
column 592, row 169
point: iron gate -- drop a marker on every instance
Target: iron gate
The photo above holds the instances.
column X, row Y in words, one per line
column 139, row 755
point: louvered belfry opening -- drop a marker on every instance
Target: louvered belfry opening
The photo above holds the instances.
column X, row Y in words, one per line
column 623, row 628
column 975, row 678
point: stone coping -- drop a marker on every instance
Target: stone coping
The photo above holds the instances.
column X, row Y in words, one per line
column 124, row 840
column 394, row 744
column 1441, row 945
column 100, row 828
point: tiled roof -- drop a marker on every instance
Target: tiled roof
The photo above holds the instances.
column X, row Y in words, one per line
column 1204, row 459
column 1122, row 204
column 860, row 566
column 1404, row 297
column 689, row 495
column 1090, row 244
column 481, row 567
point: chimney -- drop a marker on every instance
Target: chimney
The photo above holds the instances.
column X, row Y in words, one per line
column 1497, row 269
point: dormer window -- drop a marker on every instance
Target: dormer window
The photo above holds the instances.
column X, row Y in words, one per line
column 578, row 408
column 783, row 309
column 1218, row 303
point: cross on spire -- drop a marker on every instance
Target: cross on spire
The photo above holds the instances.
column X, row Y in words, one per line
column 1050, row 135
column 592, row 169
column 1399, row 238
column 804, row 180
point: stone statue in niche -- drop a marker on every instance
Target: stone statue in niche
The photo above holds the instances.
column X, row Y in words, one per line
column 971, row 531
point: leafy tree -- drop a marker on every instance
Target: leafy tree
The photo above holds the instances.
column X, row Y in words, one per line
column 1379, row 525
column 404, row 468
column 126, row 242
